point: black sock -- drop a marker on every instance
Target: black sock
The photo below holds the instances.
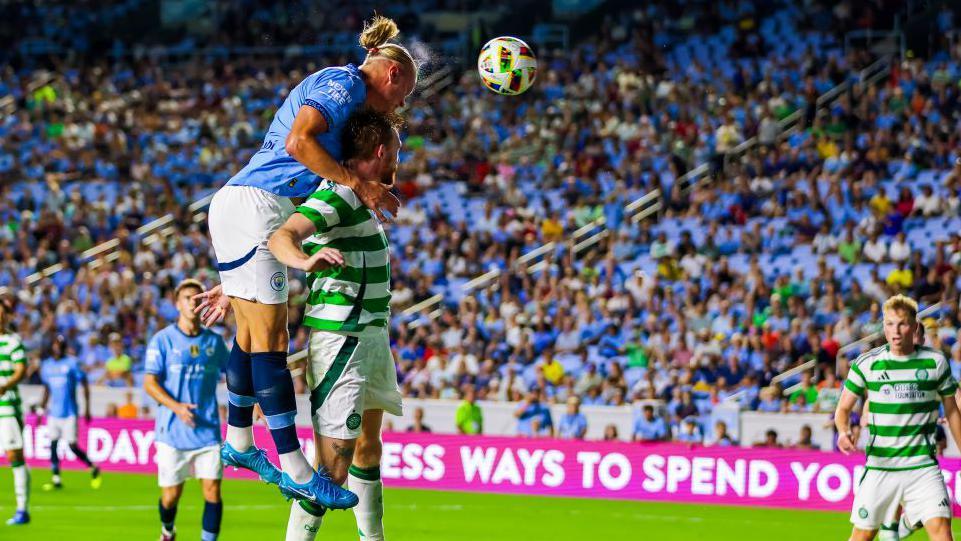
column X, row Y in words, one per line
column 81, row 454
column 54, row 457
column 213, row 513
column 167, row 516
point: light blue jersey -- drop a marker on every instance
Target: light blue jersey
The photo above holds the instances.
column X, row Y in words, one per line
column 335, row 92
column 189, row 369
column 62, row 376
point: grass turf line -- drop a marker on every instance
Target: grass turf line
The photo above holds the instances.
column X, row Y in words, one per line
column 126, row 508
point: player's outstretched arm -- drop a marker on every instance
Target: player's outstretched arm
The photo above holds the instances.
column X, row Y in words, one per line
column 212, row 304
column 286, row 246
column 303, row 146
column 953, row 415
column 842, row 421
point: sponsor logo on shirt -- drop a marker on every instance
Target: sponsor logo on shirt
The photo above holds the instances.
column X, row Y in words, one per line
column 337, row 92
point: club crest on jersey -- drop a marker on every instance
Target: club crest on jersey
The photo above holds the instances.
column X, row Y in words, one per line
column 278, row 281
column 210, row 351
column 921, row 374
column 353, row 421
column 863, row 513
column 194, row 350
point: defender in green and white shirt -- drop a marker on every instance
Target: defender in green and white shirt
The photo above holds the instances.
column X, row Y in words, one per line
column 12, row 356
column 350, row 366
column 903, row 394
column 356, row 295
column 13, row 368
column 905, row 386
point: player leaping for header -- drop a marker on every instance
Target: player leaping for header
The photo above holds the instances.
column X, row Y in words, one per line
column 351, row 370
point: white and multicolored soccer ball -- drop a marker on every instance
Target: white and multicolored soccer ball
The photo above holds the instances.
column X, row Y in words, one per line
column 507, row 66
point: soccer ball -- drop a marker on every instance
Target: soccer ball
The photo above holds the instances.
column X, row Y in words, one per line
column 507, row 66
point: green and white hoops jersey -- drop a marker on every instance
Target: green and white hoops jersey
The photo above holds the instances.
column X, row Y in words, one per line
column 11, row 354
column 903, row 401
column 358, row 295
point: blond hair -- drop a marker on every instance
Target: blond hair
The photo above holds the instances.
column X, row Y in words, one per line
column 900, row 303
column 375, row 38
column 189, row 282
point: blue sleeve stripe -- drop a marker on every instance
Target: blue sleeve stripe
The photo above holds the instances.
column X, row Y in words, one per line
column 323, row 110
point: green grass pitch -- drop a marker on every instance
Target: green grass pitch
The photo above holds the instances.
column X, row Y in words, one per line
column 126, row 508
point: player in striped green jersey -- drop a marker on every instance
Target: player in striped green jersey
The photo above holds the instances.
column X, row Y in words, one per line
column 13, row 368
column 351, row 372
column 903, row 384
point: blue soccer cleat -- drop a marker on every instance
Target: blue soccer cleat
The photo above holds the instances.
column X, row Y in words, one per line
column 19, row 519
column 320, row 490
column 252, row 459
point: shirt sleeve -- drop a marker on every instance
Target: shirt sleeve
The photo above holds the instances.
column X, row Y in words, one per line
column 17, row 353
column 155, row 361
column 325, row 208
column 946, row 383
column 855, row 382
column 335, row 94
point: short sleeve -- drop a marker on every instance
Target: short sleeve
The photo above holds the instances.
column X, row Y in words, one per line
column 325, row 208
column 335, row 93
column 78, row 372
column 856, row 381
column 17, row 354
column 155, row 361
column 946, row 383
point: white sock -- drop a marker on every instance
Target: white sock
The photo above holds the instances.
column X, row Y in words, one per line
column 369, row 512
column 239, row 438
column 296, row 466
column 21, row 486
column 302, row 526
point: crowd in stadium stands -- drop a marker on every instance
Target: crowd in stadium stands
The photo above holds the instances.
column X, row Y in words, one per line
column 780, row 257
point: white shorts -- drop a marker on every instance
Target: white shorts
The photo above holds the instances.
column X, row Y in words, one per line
column 62, row 429
column 241, row 220
column 349, row 373
column 920, row 493
column 11, row 434
column 175, row 466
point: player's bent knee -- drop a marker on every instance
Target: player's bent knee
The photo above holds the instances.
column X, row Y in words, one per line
column 15, row 455
column 211, row 490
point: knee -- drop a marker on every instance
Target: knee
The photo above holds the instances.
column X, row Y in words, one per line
column 939, row 529
column 169, row 498
column 15, row 456
column 212, row 494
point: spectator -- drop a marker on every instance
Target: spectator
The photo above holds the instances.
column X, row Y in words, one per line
column 770, row 440
column 573, row 424
column 469, row 418
column 807, row 390
column 533, row 417
column 647, row 427
column 804, row 440
column 610, row 433
column 118, row 367
column 829, row 392
column 721, row 437
column 418, row 426
column 129, row 410
column 689, row 431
